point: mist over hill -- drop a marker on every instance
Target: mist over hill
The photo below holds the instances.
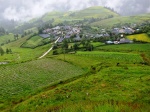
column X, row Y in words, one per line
column 26, row 10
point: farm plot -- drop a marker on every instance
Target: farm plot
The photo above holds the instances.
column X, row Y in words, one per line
column 22, row 80
column 35, row 42
column 125, row 48
column 113, row 56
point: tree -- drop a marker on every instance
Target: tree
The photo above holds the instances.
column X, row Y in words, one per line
column 65, row 44
column 75, row 46
column 1, row 51
column 7, row 50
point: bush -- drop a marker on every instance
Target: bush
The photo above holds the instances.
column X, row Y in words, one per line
column 55, row 52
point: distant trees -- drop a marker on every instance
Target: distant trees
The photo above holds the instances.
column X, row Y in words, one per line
column 8, row 51
column 16, row 36
column 2, row 31
column 1, row 51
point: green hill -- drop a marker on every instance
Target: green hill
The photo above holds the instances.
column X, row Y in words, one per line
column 93, row 12
column 70, row 16
column 6, row 39
column 121, row 20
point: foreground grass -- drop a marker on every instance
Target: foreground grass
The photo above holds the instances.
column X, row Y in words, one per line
column 117, row 80
column 110, row 88
column 19, row 81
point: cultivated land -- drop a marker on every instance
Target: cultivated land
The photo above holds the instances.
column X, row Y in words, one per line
column 113, row 77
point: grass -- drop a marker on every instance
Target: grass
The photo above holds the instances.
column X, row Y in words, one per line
column 19, row 81
column 95, row 12
column 5, row 38
column 111, row 56
column 135, row 48
column 122, row 20
column 35, row 41
column 113, row 88
column 20, row 54
column 111, row 78
column 140, row 37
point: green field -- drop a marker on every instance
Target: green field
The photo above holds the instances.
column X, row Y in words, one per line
column 110, row 78
column 107, row 86
column 20, row 54
column 95, row 12
column 20, row 81
column 6, row 38
column 35, row 41
column 122, row 20
column 140, row 37
column 112, row 89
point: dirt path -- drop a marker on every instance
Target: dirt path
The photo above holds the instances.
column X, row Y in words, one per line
column 49, row 49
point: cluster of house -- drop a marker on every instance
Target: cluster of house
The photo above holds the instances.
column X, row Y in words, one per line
column 66, row 32
column 121, row 41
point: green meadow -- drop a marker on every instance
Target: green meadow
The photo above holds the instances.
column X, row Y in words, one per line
column 110, row 78
column 35, row 41
column 6, row 38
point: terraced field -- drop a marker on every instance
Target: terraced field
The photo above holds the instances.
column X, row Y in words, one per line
column 35, row 41
column 19, row 81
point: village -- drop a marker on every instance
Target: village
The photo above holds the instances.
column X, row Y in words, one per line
column 75, row 34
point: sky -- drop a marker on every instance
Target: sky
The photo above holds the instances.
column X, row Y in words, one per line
column 27, row 9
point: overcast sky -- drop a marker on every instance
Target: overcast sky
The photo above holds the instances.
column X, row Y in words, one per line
column 28, row 9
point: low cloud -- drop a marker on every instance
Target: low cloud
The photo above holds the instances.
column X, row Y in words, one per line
column 28, row 9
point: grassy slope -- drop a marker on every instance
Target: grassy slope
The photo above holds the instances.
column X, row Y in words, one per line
column 4, row 39
column 122, row 20
column 35, row 41
column 107, row 87
column 92, row 12
column 23, row 54
column 95, row 12
column 19, row 81
column 140, row 37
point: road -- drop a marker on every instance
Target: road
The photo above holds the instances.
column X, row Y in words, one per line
column 49, row 49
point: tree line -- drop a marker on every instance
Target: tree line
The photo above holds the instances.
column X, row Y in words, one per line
column 2, row 52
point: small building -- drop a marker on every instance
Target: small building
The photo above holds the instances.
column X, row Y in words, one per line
column 44, row 35
column 109, row 42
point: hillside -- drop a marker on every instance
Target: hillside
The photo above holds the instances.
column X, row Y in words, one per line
column 69, row 17
column 6, row 39
column 93, row 12
column 87, row 81
column 122, row 20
